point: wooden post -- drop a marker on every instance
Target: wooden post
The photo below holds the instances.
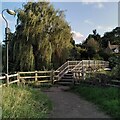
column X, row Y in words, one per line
column 68, row 65
column 89, row 68
column 88, row 63
column 35, row 76
column 7, row 79
column 18, row 78
column 83, row 71
column 104, row 64
column 52, row 76
column 98, row 66
column 94, row 69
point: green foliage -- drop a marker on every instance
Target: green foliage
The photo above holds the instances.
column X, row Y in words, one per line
column 92, row 47
column 103, row 54
column 116, row 71
column 106, row 98
column 19, row 102
column 96, row 45
column 115, row 65
column 91, row 43
column 76, row 53
column 114, row 60
column 113, row 37
column 42, row 38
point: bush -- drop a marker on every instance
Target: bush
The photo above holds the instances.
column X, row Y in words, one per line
column 99, row 79
column 114, row 60
column 116, row 71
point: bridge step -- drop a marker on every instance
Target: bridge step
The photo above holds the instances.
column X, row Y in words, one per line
column 68, row 75
column 67, row 79
column 64, row 83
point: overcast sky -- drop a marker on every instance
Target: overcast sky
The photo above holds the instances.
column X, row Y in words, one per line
column 83, row 17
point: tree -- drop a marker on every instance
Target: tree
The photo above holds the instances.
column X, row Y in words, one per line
column 93, row 44
column 113, row 37
column 92, row 47
column 94, row 32
column 95, row 36
column 42, row 38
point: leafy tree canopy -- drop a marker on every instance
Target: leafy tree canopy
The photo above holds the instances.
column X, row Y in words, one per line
column 42, row 38
column 113, row 37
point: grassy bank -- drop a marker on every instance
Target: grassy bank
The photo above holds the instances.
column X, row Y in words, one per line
column 23, row 102
column 107, row 99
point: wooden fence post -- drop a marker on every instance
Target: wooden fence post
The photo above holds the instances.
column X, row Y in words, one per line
column 52, row 76
column 88, row 63
column 35, row 76
column 83, row 74
column 18, row 78
column 7, row 79
column 94, row 68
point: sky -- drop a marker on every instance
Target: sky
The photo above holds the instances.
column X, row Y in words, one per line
column 83, row 17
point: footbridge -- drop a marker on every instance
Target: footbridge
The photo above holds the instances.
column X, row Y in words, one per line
column 73, row 71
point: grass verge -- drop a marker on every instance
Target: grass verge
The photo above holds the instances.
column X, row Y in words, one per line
column 24, row 102
column 107, row 99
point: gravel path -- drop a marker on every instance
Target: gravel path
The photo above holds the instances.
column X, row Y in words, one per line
column 69, row 105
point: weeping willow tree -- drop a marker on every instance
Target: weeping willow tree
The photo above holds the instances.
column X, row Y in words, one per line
column 42, row 37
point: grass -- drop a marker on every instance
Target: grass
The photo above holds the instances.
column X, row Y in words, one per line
column 24, row 102
column 107, row 99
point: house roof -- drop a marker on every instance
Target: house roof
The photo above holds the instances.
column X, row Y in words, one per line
column 112, row 46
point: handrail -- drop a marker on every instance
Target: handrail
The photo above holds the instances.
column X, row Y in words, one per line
column 62, row 70
column 62, row 66
column 73, row 65
column 83, row 66
column 66, row 67
column 76, row 66
column 2, row 77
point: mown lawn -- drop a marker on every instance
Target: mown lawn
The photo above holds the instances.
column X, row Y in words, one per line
column 107, row 99
column 24, row 102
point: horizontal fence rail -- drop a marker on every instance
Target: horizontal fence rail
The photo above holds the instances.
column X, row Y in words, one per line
column 39, row 76
column 25, row 77
column 77, row 67
column 9, row 79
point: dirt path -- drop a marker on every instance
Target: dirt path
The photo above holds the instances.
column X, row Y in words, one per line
column 69, row 105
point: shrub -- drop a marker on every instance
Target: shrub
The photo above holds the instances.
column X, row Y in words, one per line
column 114, row 60
column 116, row 71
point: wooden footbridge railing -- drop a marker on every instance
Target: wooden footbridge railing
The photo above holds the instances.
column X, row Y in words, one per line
column 67, row 66
column 81, row 67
